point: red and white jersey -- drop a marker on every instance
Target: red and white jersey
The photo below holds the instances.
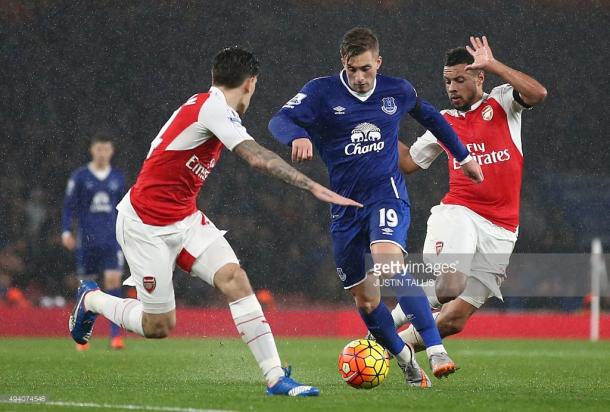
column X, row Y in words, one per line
column 491, row 130
column 181, row 157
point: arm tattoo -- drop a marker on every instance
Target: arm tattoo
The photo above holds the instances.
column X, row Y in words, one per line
column 267, row 161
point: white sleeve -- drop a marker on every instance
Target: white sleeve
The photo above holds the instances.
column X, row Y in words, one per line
column 425, row 150
column 504, row 95
column 223, row 122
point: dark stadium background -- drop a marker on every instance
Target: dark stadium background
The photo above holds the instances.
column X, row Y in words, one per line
column 72, row 68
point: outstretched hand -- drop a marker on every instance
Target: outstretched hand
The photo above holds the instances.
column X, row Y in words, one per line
column 480, row 50
column 326, row 195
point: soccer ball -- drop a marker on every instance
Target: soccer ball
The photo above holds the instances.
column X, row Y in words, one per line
column 363, row 364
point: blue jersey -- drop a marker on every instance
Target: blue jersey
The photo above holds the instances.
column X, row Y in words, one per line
column 357, row 136
column 92, row 203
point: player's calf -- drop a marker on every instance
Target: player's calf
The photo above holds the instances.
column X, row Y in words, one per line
column 452, row 319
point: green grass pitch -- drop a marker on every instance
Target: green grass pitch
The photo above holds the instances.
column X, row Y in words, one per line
column 204, row 374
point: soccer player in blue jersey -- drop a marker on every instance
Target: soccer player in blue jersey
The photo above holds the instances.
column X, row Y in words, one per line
column 353, row 119
column 92, row 194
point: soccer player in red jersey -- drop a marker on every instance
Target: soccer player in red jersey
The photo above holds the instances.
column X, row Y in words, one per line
column 476, row 225
column 159, row 225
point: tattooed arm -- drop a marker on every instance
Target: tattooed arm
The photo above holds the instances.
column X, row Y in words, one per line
column 270, row 163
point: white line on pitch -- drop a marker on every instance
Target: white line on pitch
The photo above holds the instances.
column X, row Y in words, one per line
column 529, row 353
column 112, row 406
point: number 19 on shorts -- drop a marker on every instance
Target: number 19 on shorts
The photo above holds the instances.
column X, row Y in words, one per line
column 388, row 217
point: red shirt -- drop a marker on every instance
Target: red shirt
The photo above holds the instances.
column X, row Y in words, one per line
column 491, row 130
column 181, row 157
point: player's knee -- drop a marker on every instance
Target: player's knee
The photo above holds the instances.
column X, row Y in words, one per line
column 449, row 286
column 233, row 282
column 158, row 328
column 366, row 304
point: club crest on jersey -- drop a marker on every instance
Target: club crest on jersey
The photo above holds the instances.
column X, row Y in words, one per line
column 341, row 274
column 150, row 283
column 487, row 113
column 388, row 105
column 439, row 247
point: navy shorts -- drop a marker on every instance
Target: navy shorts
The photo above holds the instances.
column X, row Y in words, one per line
column 95, row 260
column 352, row 235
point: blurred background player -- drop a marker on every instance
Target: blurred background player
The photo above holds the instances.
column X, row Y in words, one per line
column 93, row 192
column 476, row 225
column 159, row 225
column 353, row 119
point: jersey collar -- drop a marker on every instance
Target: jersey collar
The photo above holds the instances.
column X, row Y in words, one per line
column 100, row 175
column 362, row 97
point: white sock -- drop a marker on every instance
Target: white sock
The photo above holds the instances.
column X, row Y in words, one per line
column 399, row 317
column 435, row 349
column 256, row 332
column 412, row 337
column 127, row 313
column 430, row 291
column 405, row 355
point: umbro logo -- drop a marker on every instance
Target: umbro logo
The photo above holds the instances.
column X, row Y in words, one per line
column 339, row 110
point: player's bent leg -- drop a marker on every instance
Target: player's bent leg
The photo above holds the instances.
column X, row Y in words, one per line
column 128, row 313
column 219, row 267
column 453, row 316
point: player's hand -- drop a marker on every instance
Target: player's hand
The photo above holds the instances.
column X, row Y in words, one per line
column 472, row 170
column 326, row 195
column 302, row 150
column 480, row 50
column 68, row 241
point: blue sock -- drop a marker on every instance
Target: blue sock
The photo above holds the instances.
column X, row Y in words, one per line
column 115, row 330
column 415, row 305
column 381, row 325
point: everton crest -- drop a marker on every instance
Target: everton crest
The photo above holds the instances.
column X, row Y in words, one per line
column 388, row 105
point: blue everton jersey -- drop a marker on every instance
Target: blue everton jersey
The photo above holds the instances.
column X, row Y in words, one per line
column 356, row 135
column 92, row 202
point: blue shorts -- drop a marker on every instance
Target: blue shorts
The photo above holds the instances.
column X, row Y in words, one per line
column 384, row 221
column 95, row 260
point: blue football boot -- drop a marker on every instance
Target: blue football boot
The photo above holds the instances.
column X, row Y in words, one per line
column 81, row 320
column 289, row 387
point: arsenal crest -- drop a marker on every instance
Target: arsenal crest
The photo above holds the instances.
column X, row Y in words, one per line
column 487, row 113
column 150, row 283
column 439, row 247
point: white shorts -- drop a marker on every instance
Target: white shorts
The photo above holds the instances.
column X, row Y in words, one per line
column 475, row 246
column 152, row 253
